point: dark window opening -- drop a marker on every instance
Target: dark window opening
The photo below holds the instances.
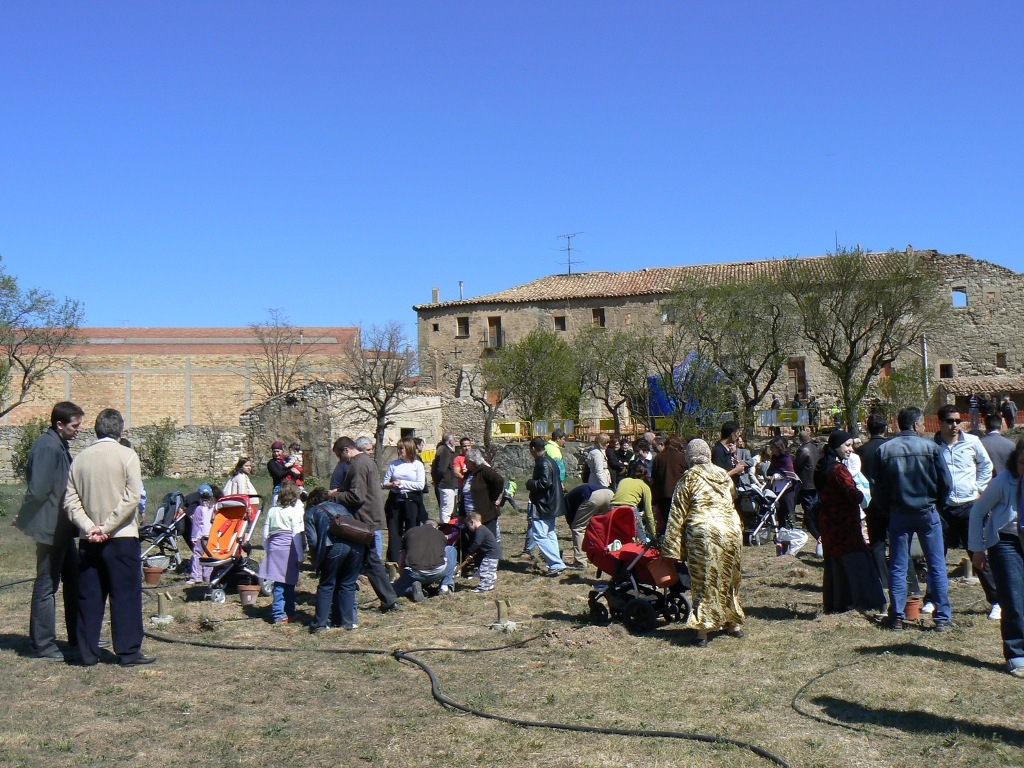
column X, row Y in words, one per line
column 494, row 340
column 1000, row 359
column 946, row 371
column 462, row 331
column 796, row 379
column 559, row 322
column 599, row 317
column 437, row 327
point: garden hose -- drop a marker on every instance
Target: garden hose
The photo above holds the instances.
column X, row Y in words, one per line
column 435, row 690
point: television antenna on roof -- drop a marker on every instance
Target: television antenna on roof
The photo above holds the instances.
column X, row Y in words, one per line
column 568, row 250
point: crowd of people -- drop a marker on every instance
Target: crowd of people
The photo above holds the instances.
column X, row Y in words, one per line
column 862, row 504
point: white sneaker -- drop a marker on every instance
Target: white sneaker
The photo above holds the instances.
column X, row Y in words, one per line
column 996, row 614
column 928, row 608
column 817, row 549
column 445, row 590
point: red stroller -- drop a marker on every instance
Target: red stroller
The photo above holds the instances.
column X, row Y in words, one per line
column 643, row 584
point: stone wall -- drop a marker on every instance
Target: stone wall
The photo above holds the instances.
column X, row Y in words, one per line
column 515, row 462
column 195, row 451
column 316, row 415
column 462, row 416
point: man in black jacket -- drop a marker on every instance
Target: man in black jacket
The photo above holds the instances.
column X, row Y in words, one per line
column 547, row 504
column 442, row 473
column 877, row 516
column 42, row 517
column 804, row 462
column 361, row 495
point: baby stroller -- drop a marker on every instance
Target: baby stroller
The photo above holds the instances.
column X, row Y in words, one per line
column 643, row 585
column 226, row 550
column 758, row 505
column 160, row 538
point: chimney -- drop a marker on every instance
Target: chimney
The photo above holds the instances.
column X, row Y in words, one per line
column 460, row 290
column 435, row 295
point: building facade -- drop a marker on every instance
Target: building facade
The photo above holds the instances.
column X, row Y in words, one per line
column 981, row 340
column 194, row 376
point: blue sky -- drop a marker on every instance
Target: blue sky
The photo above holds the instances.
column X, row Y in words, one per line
column 180, row 163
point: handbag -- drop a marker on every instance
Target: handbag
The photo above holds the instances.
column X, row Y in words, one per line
column 349, row 529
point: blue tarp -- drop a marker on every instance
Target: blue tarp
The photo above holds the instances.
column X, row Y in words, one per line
column 661, row 403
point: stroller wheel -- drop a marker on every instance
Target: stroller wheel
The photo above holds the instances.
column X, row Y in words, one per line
column 266, row 587
column 599, row 613
column 217, row 595
column 638, row 616
column 677, row 608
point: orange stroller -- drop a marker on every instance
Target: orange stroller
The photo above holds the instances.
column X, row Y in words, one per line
column 226, row 550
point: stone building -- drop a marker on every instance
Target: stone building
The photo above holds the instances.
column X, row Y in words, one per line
column 982, row 340
column 195, row 376
column 317, row 414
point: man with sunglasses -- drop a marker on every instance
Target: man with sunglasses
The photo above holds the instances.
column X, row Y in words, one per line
column 971, row 469
column 912, row 481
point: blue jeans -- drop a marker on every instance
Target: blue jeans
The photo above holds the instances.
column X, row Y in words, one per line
column 1007, row 562
column 542, row 532
column 443, row 575
column 284, row 601
column 336, row 593
column 928, row 528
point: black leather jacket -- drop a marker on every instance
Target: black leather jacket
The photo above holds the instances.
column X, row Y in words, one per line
column 546, row 489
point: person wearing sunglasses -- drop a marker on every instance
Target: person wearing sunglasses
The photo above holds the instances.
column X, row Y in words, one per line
column 971, row 469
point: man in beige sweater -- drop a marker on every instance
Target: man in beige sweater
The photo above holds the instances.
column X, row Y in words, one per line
column 102, row 497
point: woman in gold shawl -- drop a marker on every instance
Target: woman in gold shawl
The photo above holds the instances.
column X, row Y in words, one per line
column 705, row 531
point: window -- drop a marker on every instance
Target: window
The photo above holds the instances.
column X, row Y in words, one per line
column 1000, row 359
column 959, row 297
column 945, row 370
column 599, row 317
column 437, row 327
column 462, row 331
column 494, row 332
column 559, row 322
column 991, row 297
column 796, row 378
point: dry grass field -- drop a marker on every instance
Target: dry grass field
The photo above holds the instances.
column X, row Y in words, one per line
column 813, row 690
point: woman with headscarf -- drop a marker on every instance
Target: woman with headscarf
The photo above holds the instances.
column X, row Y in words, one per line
column 849, row 579
column 705, row 531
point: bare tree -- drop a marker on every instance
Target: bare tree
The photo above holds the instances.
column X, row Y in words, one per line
column 613, row 368
column 471, row 381
column 379, row 369
column 692, row 386
column 745, row 329
column 860, row 310
column 36, row 335
column 283, row 360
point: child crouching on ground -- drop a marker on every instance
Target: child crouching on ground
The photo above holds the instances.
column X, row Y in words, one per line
column 284, row 547
column 486, row 550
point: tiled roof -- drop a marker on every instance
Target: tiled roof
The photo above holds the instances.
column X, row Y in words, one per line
column 999, row 384
column 642, row 282
column 206, row 341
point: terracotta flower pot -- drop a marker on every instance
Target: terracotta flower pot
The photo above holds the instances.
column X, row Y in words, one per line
column 151, row 574
column 912, row 610
column 247, row 593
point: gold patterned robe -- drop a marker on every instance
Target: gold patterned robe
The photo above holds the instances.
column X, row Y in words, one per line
column 705, row 531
